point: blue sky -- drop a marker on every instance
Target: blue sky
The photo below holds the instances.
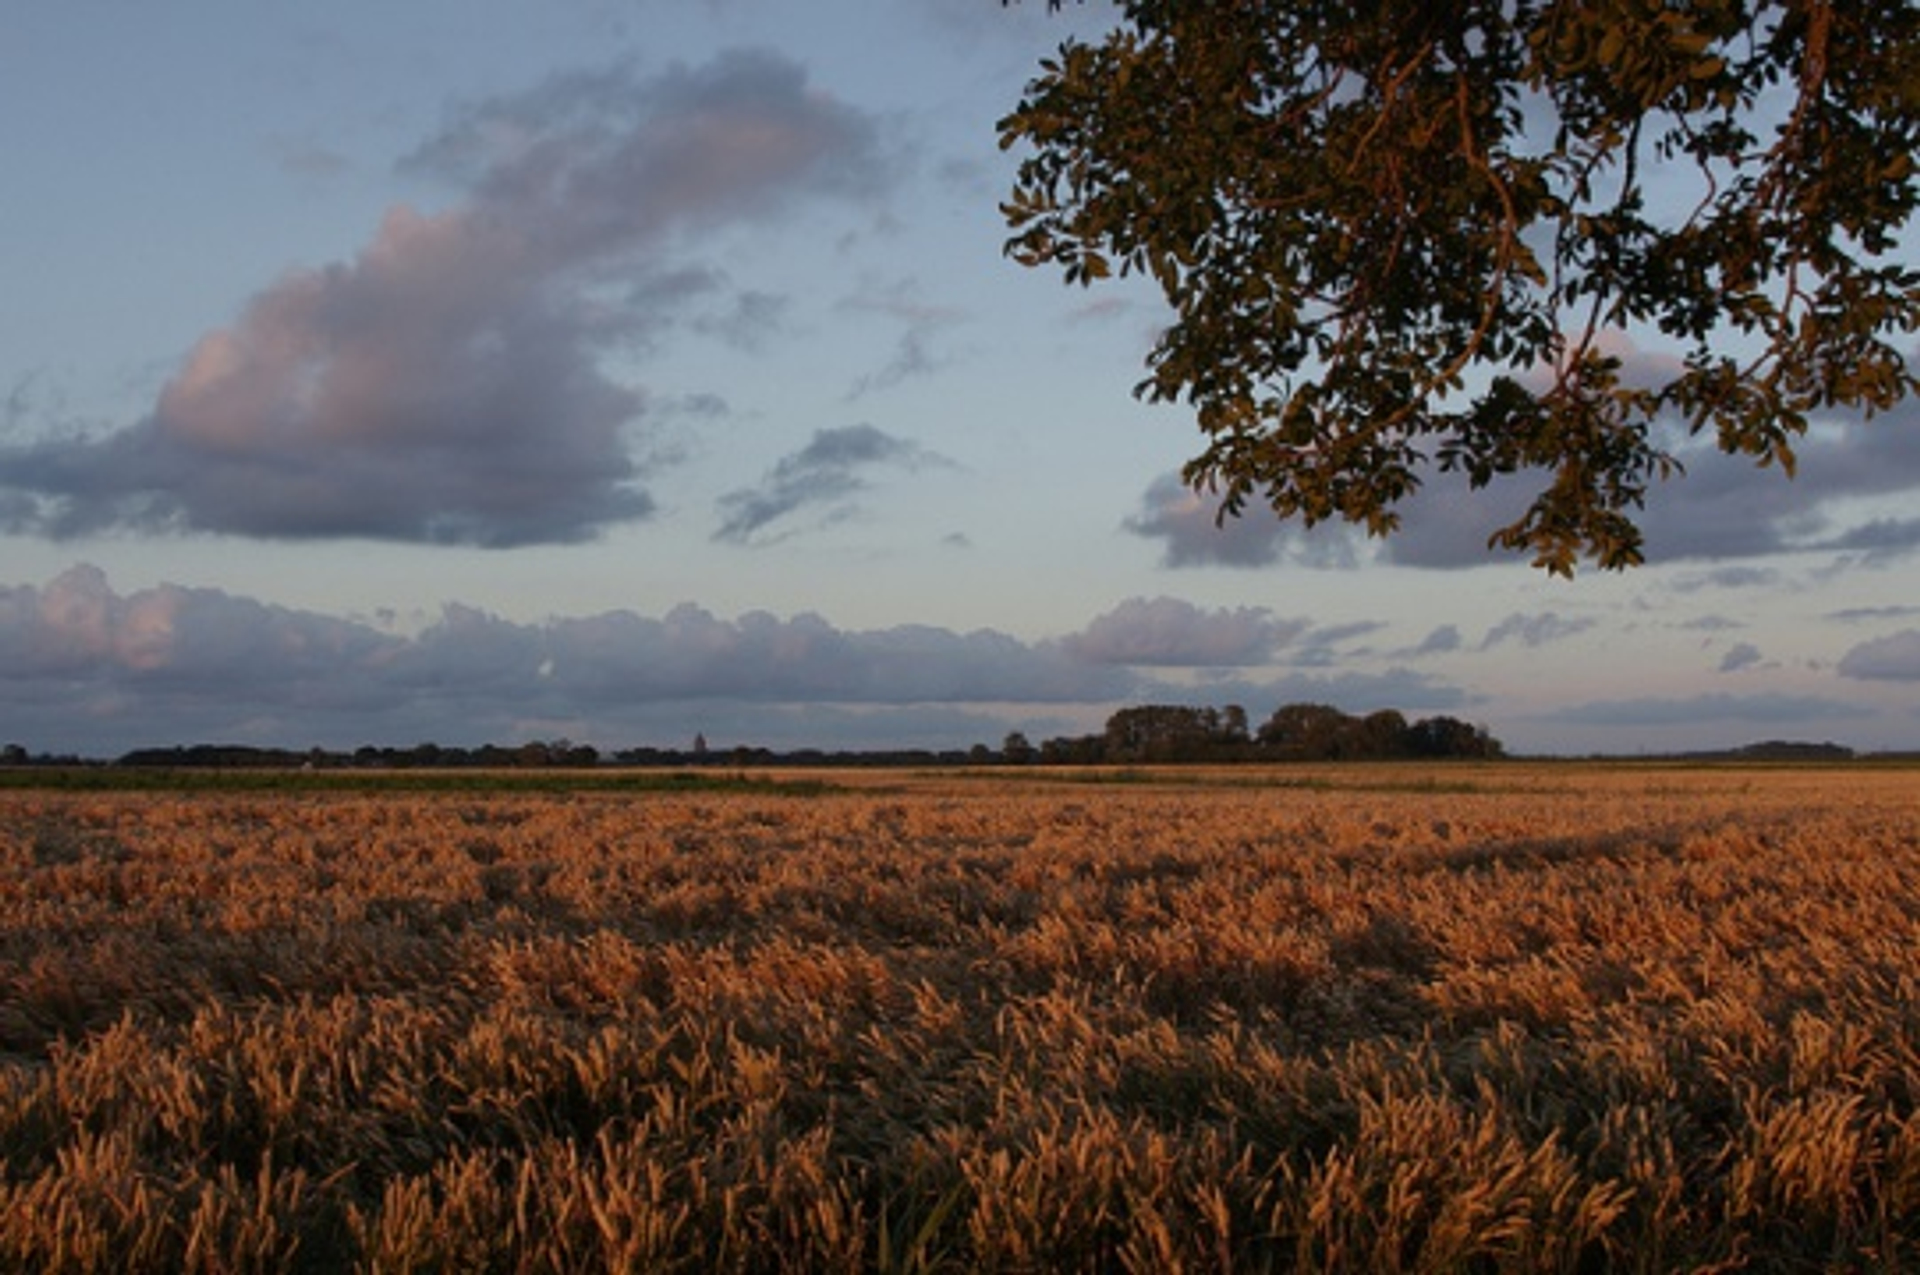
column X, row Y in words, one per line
column 467, row 371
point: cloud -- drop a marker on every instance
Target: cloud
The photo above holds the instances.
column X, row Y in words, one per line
column 1878, row 541
column 1773, row 710
column 918, row 320
column 1444, row 526
column 1193, row 536
column 1443, row 640
column 1168, row 632
column 1855, row 615
column 446, row 384
column 1739, row 656
column 1352, row 691
column 691, row 654
column 1726, row 507
column 1534, row 630
column 1722, row 509
column 750, row 322
column 1325, row 645
column 1894, row 658
column 79, row 658
column 1728, row 577
column 827, row 473
column 84, row 668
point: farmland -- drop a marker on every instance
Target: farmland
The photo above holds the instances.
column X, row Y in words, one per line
column 1487, row 1017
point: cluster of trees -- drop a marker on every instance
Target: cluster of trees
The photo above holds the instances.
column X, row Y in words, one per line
column 1166, row 733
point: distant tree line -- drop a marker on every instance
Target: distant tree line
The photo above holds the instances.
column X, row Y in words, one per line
column 1155, row 734
column 532, row 755
column 1163, row 734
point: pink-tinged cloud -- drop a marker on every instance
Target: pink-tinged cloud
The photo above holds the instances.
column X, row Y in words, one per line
column 1168, row 632
column 76, row 631
column 85, row 668
column 446, row 384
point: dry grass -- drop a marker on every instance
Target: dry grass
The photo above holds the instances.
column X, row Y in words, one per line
column 1381, row 1019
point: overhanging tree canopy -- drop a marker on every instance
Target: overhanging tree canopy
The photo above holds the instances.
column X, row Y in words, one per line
column 1404, row 237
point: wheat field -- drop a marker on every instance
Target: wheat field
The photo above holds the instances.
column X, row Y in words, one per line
column 1374, row 1019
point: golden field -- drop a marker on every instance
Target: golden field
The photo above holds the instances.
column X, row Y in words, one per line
column 1383, row 1018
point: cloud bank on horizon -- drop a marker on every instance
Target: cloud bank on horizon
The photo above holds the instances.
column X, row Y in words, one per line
column 92, row 670
column 86, row 669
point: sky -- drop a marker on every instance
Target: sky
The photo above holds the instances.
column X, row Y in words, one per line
column 471, row 371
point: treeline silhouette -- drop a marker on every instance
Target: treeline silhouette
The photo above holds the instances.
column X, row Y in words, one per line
column 1155, row 734
column 1163, row 734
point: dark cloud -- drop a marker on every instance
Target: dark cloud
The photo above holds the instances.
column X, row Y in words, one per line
column 1538, row 629
column 85, row 668
column 589, row 162
column 751, row 321
column 445, row 385
column 1879, row 541
column 1443, row 640
column 1171, row 633
column 690, row 654
column 1193, row 535
column 1721, row 509
column 1726, row 507
column 1328, row 644
column 1445, row 525
column 827, row 474
column 1856, row 615
column 1411, row 692
column 1741, row 655
column 918, row 320
column 1894, row 658
column 1728, row 577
